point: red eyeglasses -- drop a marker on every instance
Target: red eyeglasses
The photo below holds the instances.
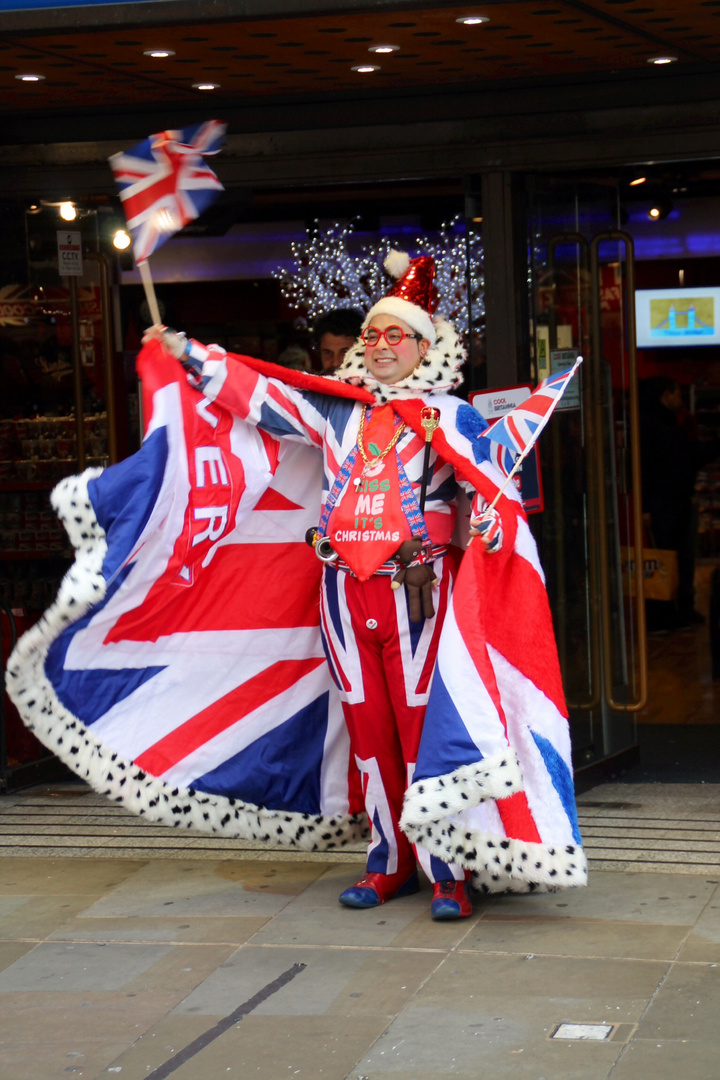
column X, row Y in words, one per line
column 392, row 334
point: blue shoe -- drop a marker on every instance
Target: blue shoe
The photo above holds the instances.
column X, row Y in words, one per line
column 450, row 901
column 375, row 889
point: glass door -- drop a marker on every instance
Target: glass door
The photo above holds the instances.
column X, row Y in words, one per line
column 582, row 301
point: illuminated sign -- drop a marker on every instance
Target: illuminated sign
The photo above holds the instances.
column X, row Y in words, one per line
column 677, row 318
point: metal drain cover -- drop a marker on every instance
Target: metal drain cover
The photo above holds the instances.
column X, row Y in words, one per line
column 583, row 1032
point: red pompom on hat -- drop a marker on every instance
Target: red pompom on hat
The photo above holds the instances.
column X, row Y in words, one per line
column 413, row 298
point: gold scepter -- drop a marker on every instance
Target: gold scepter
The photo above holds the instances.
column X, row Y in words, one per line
column 430, row 420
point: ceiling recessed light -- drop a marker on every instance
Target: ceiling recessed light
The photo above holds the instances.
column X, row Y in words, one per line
column 383, row 48
column 206, row 86
column 473, row 20
column 666, row 59
column 30, row 78
column 159, row 54
column 638, row 180
column 365, row 69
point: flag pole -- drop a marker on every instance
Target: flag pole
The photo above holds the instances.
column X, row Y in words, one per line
column 144, row 268
column 518, row 462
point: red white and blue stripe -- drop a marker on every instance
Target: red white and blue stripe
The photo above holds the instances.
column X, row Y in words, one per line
column 164, row 182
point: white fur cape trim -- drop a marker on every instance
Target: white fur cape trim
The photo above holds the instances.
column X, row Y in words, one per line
column 431, row 817
column 437, row 373
column 107, row 771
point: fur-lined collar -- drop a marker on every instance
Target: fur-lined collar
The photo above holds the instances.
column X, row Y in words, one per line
column 437, row 373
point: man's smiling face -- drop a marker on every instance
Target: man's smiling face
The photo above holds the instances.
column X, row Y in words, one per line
column 392, row 363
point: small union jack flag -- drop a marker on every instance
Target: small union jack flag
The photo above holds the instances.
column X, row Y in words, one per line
column 164, row 182
column 519, row 429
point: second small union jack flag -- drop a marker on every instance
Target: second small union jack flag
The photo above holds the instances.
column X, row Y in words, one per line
column 164, row 182
column 519, row 429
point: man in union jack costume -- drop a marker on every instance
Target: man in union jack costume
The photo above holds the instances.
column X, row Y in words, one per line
column 389, row 573
column 187, row 672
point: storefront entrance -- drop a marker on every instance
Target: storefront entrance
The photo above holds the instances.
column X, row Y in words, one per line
column 638, row 672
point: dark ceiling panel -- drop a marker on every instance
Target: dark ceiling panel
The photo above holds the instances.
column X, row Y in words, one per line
column 314, row 55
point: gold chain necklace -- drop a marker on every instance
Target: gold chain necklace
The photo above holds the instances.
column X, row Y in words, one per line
column 370, row 463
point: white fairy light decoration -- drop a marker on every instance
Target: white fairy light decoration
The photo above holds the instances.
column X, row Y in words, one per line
column 327, row 275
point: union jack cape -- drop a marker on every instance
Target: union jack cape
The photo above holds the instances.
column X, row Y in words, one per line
column 181, row 670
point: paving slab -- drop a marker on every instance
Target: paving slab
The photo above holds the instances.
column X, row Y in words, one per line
column 68, row 968
column 651, row 898
column 703, row 943
column 558, row 936
column 12, row 951
column 686, row 1006
column 52, row 877
column 196, row 888
column 46, row 1034
column 55, row 1062
column 38, row 916
column 175, row 929
column 668, row 1059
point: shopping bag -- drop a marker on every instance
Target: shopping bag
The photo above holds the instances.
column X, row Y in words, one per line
column 660, row 572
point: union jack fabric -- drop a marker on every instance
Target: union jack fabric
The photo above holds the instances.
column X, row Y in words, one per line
column 519, row 429
column 181, row 670
column 164, row 182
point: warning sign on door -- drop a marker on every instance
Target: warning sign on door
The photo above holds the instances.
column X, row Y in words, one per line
column 69, row 253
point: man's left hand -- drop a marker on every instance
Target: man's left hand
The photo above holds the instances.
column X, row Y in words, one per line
column 489, row 528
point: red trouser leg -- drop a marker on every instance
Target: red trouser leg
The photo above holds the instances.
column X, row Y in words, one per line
column 382, row 664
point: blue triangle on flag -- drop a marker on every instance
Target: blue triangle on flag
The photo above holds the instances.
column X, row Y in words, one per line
column 90, row 694
column 124, row 497
column 445, row 744
column 280, row 769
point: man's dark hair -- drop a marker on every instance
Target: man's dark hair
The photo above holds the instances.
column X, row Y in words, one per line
column 343, row 322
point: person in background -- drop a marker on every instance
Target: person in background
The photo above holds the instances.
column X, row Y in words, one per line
column 670, row 462
column 335, row 333
column 294, row 356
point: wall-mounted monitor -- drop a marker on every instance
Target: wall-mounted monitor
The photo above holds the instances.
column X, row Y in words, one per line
column 678, row 318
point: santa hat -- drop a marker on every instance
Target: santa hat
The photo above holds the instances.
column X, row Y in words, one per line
column 413, row 297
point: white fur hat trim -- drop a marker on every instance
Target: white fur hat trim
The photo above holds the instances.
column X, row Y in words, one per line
column 409, row 313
